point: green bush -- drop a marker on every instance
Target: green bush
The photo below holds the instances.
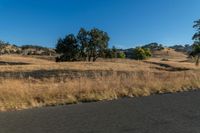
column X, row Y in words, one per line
column 121, row 55
column 108, row 53
column 195, row 53
column 141, row 53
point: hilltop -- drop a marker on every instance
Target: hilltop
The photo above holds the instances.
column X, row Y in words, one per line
column 6, row 48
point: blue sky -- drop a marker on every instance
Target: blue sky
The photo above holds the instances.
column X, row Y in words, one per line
column 128, row 22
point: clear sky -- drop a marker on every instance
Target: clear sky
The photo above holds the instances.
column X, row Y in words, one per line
column 128, row 22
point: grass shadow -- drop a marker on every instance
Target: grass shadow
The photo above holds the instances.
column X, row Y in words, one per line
column 13, row 63
column 167, row 67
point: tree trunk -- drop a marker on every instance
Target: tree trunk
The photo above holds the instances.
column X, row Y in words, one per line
column 89, row 58
column 197, row 60
column 94, row 59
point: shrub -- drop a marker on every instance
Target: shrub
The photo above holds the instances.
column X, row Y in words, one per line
column 141, row 53
column 108, row 53
column 121, row 55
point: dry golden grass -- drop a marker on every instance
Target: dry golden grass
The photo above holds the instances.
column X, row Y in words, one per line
column 39, row 64
column 28, row 93
column 142, row 78
column 168, row 53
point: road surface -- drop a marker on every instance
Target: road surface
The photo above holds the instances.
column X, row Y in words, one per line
column 168, row 113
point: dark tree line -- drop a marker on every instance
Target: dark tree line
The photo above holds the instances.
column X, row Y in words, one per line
column 87, row 45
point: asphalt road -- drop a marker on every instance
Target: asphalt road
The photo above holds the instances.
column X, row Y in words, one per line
column 169, row 113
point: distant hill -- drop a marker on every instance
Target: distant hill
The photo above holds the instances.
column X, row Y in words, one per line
column 6, row 48
column 168, row 53
column 182, row 48
column 36, row 50
column 154, row 46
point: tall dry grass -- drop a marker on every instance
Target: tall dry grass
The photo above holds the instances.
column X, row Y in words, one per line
column 102, row 80
column 27, row 93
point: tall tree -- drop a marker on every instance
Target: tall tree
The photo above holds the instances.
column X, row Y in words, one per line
column 87, row 45
column 98, row 43
column 114, row 51
column 196, row 38
column 68, row 48
column 83, row 39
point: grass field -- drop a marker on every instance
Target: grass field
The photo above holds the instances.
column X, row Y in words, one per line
column 27, row 82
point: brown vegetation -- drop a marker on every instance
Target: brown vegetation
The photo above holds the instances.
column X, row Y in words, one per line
column 65, row 83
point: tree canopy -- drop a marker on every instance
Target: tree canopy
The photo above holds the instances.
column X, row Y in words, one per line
column 196, row 38
column 86, row 45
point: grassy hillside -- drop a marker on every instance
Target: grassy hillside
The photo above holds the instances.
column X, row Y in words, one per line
column 168, row 53
column 28, row 81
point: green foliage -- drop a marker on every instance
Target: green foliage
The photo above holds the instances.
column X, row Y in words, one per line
column 86, row 46
column 148, row 53
column 98, row 43
column 83, row 40
column 114, row 53
column 196, row 45
column 196, row 48
column 196, row 53
column 108, row 53
column 69, row 48
column 121, row 55
column 141, row 53
column 196, row 36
